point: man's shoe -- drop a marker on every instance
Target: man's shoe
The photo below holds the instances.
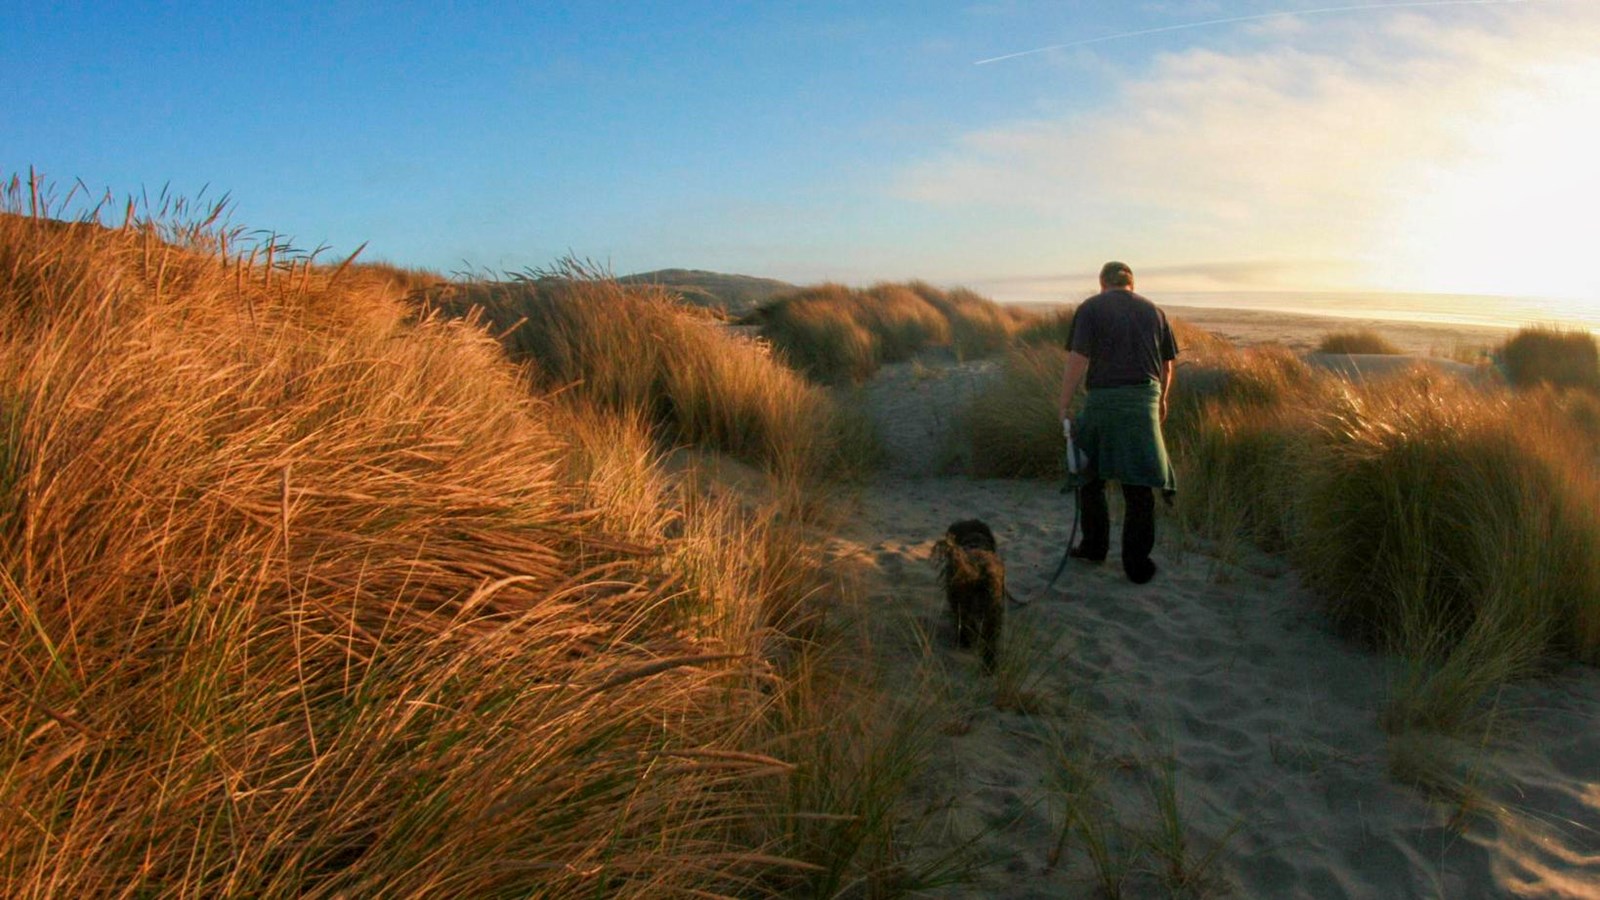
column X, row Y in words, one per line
column 1139, row 571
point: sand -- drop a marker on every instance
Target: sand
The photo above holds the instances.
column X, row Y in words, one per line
column 1218, row 679
column 1302, row 332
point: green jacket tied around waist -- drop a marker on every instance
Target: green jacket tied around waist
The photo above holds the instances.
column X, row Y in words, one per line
column 1119, row 431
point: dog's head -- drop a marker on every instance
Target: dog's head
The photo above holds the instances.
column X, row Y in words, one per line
column 973, row 534
column 950, row 551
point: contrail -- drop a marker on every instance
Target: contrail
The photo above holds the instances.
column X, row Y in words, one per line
column 1326, row 10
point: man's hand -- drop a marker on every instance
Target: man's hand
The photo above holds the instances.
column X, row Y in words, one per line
column 1071, row 377
column 1166, row 387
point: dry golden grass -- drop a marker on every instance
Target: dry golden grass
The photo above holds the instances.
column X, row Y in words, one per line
column 978, row 326
column 1363, row 340
column 819, row 331
column 308, row 595
column 1551, row 356
column 836, row 335
column 1012, row 427
column 1453, row 525
column 1053, row 329
column 903, row 321
column 634, row 349
column 1196, row 344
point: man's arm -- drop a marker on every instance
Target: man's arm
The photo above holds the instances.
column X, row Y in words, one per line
column 1072, row 378
column 1166, row 386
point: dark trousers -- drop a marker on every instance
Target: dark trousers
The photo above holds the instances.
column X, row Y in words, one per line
column 1138, row 526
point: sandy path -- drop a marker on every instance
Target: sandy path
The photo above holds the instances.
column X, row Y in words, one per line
column 1219, row 678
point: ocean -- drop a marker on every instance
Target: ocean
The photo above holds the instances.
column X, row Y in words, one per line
column 1459, row 309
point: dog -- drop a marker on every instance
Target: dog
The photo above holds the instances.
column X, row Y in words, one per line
column 974, row 581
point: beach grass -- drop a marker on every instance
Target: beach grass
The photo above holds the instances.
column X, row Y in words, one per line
column 1131, row 842
column 1050, row 329
column 1448, row 524
column 1196, row 344
column 1358, row 341
column 1186, row 865
column 840, row 335
column 979, row 327
column 1551, row 356
column 635, row 347
column 309, row 592
column 1025, row 661
column 1238, row 441
column 1011, row 427
column 1433, row 516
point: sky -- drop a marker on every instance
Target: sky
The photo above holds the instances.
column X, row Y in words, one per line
column 1011, row 146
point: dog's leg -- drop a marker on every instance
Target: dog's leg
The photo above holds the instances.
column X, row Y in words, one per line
column 966, row 624
column 991, row 628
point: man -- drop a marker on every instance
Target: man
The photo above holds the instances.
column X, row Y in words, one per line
column 1122, row 345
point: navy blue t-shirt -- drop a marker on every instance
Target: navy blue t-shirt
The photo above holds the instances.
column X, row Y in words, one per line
column 1125, row 336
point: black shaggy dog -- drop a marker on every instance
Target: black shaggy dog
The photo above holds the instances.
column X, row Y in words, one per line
column 974, row 582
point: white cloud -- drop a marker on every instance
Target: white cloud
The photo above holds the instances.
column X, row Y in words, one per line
column 1310, row 147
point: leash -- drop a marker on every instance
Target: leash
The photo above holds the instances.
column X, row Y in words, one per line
column 1074, row 466
column 1066, row 555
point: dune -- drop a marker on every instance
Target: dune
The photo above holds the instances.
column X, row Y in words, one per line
column 1205, row 733
column 1377, row 365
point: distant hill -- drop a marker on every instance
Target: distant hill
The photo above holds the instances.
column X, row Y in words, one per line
column 736, row 294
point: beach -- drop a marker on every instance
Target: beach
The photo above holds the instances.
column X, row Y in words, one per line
column 1302, row 331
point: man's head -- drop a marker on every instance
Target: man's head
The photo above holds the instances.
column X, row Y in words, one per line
column 1116, row 275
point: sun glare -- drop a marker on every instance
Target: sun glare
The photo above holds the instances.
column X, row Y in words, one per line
column 1516, row 214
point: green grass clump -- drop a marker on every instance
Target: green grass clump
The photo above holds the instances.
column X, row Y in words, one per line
column 635, row 348
column 1551, row 356
column 1238, row 436
column 1455, row 527
column 1053, row 329
column 1265, row 378
column 305, row 594
column 1437, row 513
column 1360, row 341
column 837, row 335
column 1421, row 508
column 1241, row 453
column 1012, row 425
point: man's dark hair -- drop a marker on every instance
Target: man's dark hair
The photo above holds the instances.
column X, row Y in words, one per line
column 1116, row 274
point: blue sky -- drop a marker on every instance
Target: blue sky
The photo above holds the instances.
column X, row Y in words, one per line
column 1425, row 146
